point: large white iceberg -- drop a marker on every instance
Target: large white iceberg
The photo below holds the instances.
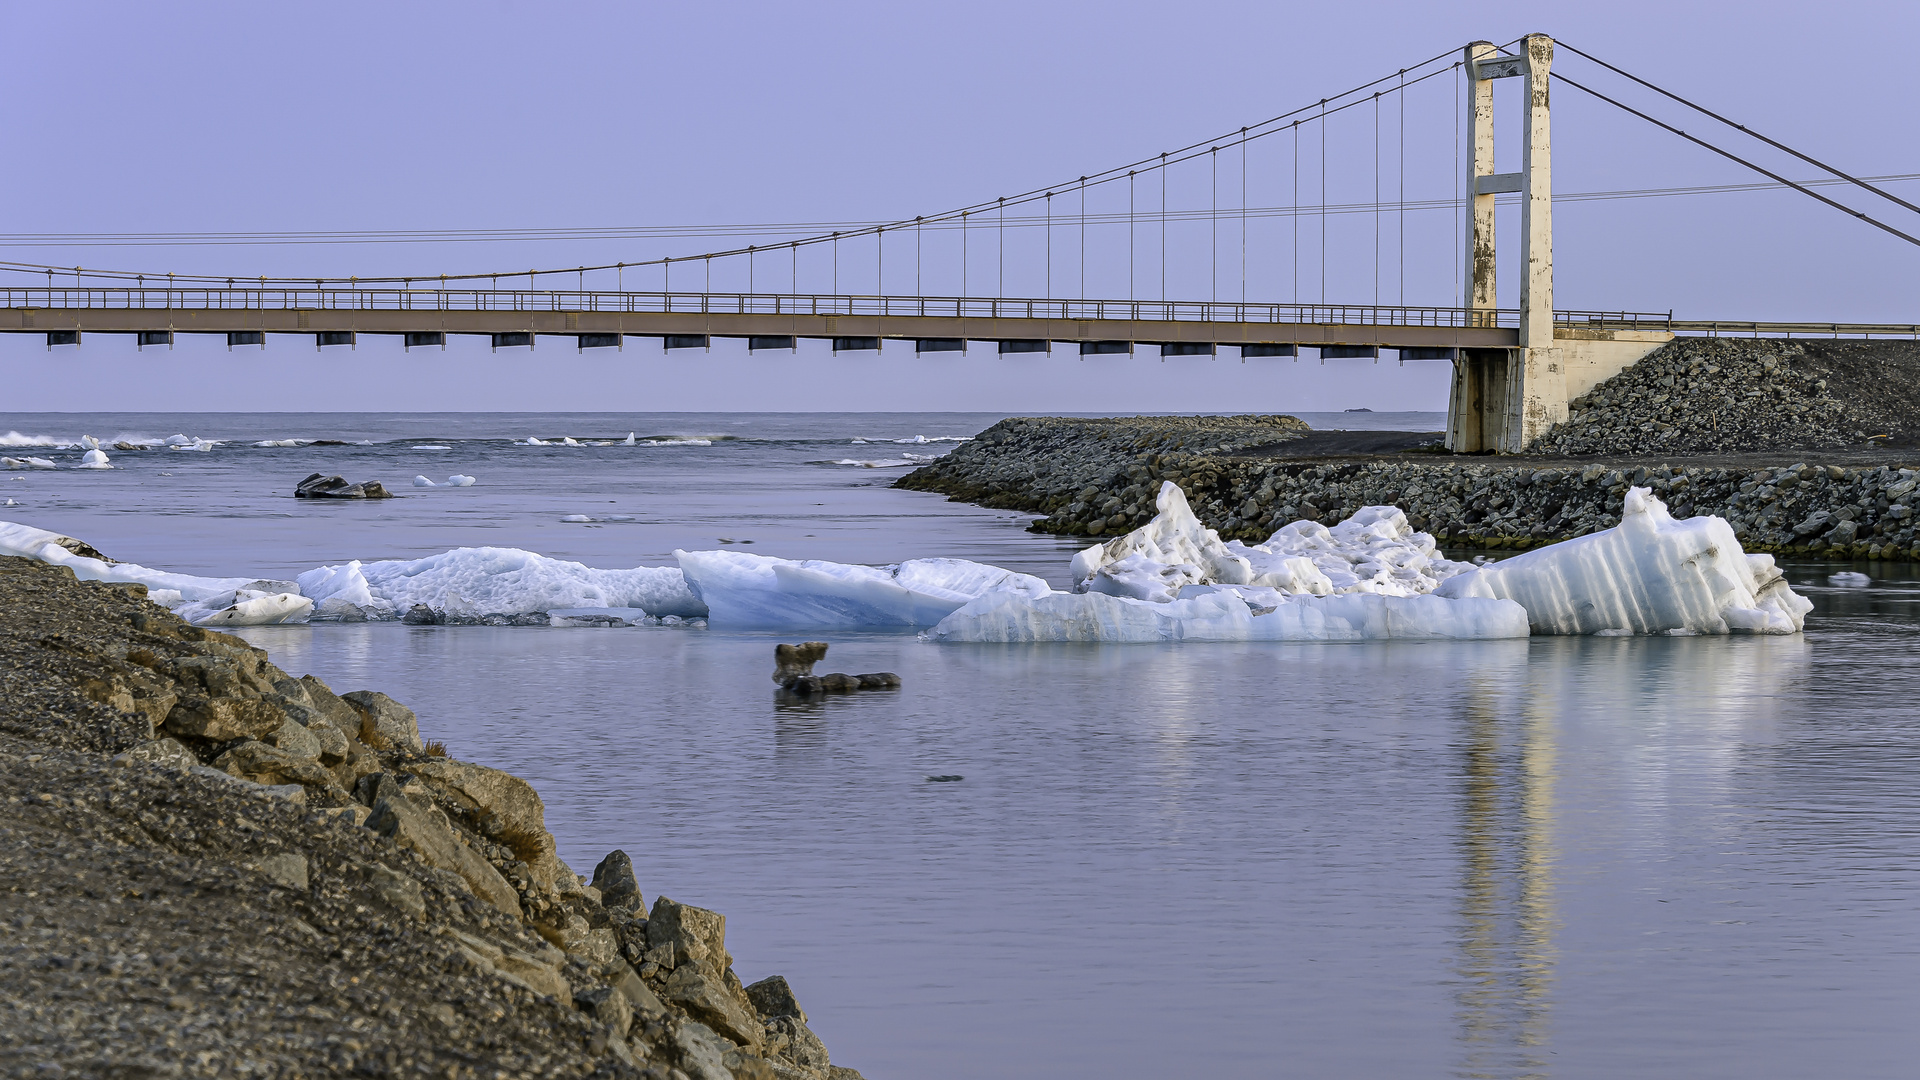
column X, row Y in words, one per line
column 760, row 591
column 1229, row 613
column 1650, row 574
column 492, row 581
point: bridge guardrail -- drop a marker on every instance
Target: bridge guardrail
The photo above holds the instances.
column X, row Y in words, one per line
column 401, row 299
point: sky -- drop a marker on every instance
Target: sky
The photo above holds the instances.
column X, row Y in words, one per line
column 496, row 115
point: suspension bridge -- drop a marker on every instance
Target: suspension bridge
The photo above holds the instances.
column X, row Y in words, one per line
column 1515, row 368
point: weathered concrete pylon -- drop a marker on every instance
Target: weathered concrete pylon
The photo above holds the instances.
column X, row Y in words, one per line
column 1504, row 399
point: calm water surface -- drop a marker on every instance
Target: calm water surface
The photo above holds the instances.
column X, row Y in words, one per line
column 1551, row 858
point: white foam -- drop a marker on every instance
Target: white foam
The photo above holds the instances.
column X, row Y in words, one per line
column 14, row 438
column 743, row 590
column 1650, row 574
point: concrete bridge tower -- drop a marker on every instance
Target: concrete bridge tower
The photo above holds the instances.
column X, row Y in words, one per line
column 1504, row 399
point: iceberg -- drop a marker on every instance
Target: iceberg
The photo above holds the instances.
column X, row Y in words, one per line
column 1374, row 551
column 742, row 590
column 494, row 581
column 89, row 565
column 95, row 458
column 1226, row 613
column 1650, row 574
column 247, row 607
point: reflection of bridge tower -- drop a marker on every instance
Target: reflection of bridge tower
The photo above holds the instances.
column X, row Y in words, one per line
column 1507, row 912
column 1503, row 399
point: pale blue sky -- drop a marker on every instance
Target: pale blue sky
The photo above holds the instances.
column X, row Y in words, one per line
column 499, row 115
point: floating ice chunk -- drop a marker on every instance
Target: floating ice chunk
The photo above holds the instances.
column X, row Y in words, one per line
column 576, row 519
column 283, row 443
column 1849, row 579
column 757, row 590
column 247, row 607
column 26, row 463
column 1647, row 575
column 508, row 581
column 95, row 458
column 421, row 481
column 182, row 442
column 1175, row 540
column 1374, row 551
column 676, row 442
column 904, row 461
column 1228, row 613
column 603, row 616
column 430, row 447
column 459, row 480
column 568, row 440
column 88, row 442
column 531, row 441
column 628, row 441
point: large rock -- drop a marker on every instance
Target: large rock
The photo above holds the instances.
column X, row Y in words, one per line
column 329, row 705
column 384, row 720
column 295, row 740
column 538, row 972
column 607, row 1005
column 321, row 486
column 772, row 997
column 218, row 719
column 796, row 661
column 263, row 764
column 690, row 934
column 704, row 993
column 167, row 753
column 619, row 889
column 506, row 810
column 409, row 826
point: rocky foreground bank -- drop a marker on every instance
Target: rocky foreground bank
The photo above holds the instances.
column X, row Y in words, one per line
column 1779, row 438
column 211, row 868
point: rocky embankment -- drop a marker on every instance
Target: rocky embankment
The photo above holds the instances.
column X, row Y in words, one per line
column 1754, row 460
column 1712, row 395
column 209, row 867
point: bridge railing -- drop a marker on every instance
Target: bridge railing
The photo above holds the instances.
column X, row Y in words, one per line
column 406, row 299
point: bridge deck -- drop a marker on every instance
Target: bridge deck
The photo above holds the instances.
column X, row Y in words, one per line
column 484, row 311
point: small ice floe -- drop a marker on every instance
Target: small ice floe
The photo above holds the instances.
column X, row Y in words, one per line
column 628, row 441
column 429, row 447
column 676, row 442
column 1849, row 579
column 88, row 442
column 248, row 607
column 283, row 443
column 182, row 442
column 532, row 441
column 568, row 441
column 577, row 519
column 9, row 502
column 859, row 442
column 26, row 463
column 456, row 480
column 95, row 458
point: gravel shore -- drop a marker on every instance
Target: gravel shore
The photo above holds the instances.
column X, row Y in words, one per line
column 1807, row 449
column 211, row 868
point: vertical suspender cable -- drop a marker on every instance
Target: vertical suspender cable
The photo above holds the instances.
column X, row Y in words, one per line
column 1243, row 215
column 917, row 230
column 963, row 254
column 1049, row 245
column 1213, row 216
column 1163, row 227
column 1376, row 199
column 1130, row 232
column 880, row 261
column 1001, row 248
column 836, row 263
column 1295, row 214
column 1083, row 238
column 1323, row 200
column 1400, row 215
column 1457, row 211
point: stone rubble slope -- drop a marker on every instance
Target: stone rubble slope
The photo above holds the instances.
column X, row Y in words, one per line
column 1697, row 395
column 208, row 867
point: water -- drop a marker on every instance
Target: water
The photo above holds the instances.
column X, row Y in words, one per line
column 1551, row 858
